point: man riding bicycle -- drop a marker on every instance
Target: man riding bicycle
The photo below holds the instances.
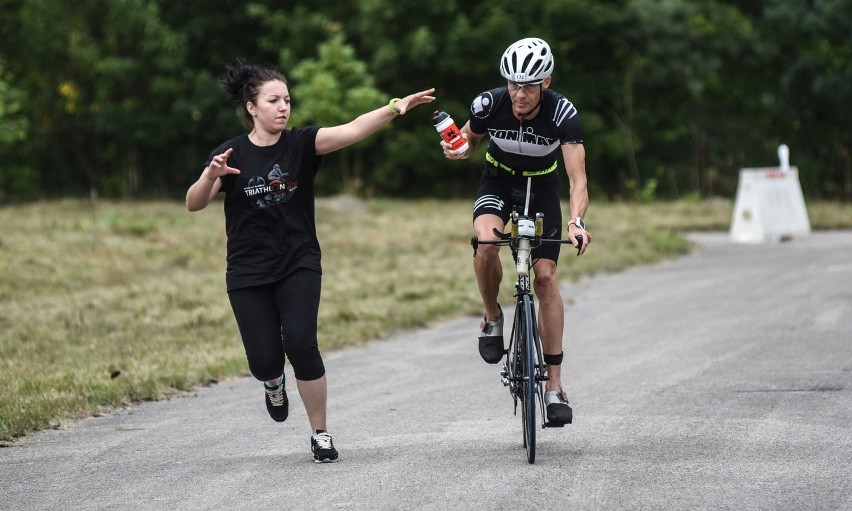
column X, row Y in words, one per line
column 528, row 125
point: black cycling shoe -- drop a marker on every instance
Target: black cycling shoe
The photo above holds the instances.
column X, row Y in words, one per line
column 491, row 339
column 559, row 412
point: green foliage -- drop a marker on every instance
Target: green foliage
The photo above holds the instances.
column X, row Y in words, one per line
column 99, row 76
column 812, row 103
column 122, row 96
column 13, row 126
column 335, row 88
column 13, row 130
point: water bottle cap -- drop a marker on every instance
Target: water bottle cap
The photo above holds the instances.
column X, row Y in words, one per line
column 439, row 116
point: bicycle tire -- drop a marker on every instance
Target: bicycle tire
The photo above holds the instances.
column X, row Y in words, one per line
column 528, row 378
column 516, row 364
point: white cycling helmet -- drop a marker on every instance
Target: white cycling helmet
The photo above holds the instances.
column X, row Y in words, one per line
column 527, row 61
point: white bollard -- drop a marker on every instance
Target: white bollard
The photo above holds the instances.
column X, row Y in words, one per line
column 784, row 157
column 769, row 204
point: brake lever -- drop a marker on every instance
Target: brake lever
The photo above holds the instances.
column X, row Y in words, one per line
column 579, row 238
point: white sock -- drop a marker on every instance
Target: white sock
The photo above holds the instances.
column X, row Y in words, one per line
column 279, row 382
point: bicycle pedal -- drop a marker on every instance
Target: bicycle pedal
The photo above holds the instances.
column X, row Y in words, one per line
column 555, row 424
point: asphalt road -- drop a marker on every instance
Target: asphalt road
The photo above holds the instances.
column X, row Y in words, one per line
column 722, row 380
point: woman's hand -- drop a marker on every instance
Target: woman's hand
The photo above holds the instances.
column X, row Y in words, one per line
column 202, row 191
column 219, row 165
column 418, row 98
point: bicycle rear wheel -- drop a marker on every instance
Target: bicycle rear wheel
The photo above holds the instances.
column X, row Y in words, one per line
column 526, row 341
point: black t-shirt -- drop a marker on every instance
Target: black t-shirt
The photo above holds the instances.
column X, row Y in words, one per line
column 269, row 208
column 530, row 144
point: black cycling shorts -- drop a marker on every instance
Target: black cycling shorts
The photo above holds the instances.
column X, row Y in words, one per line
column 500, row 194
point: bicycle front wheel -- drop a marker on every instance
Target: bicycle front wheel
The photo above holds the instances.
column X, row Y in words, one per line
column 526, row 340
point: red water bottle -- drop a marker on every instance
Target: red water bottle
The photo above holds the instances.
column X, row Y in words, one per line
column 445, row 125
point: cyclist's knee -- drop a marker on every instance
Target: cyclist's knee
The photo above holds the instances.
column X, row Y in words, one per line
column 485, row 225
column 545, row 282
column 545, row 272
column 488, row 252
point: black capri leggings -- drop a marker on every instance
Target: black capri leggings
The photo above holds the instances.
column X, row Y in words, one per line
column 281, row 319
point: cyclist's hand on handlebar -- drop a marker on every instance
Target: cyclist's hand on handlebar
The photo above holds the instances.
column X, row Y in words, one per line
column 580, row 238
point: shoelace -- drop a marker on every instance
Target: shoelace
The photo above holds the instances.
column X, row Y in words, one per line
column 323, row 441
column 276, row 395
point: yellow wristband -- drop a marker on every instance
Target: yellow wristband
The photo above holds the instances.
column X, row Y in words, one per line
column 391, row 104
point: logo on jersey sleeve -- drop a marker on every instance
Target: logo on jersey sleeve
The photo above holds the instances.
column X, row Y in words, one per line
column 564, row 110
column 276, row 188
column 481, row 105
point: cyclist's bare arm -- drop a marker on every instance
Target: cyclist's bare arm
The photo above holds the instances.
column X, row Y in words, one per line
column 574, row 156
column 202, row 191
column 472, row 138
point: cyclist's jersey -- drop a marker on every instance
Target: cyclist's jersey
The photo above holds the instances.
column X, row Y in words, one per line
column 529, row 145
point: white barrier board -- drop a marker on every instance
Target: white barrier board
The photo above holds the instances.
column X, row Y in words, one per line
column 769, row 206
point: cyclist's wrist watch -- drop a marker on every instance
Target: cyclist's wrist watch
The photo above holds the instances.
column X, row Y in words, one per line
column 578, row 222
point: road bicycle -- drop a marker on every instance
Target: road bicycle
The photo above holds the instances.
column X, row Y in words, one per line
column 524, row 371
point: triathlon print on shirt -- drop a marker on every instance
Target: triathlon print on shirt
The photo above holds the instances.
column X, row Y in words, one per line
column 275, row 189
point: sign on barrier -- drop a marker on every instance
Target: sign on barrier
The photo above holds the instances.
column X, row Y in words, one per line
column 770, row 205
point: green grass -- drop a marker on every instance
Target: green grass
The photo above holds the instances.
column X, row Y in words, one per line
column 108, row 305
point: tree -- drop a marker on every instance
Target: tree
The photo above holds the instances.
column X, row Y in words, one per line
column 333, row 89
column 101, row 81
column 812, row 102
column 13, row 129
column 674, row 95
column 13, row 126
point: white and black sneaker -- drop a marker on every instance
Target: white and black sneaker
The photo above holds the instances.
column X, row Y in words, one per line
column 323, row 448
column 491, row 339
column 277, row 403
